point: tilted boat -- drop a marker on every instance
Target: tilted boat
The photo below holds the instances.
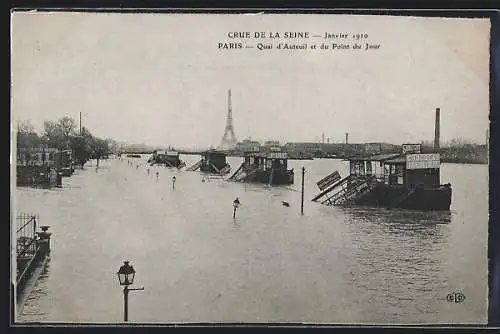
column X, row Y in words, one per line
column 166, row 158
column 406, row 181
column 409, row 179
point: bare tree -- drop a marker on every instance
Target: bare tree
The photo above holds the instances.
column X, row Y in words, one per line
column 59, row 133
column 26, row 135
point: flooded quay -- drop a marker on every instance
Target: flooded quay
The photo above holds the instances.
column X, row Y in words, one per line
column 270, row 264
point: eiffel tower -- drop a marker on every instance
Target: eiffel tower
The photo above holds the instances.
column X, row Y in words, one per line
column 228, row 141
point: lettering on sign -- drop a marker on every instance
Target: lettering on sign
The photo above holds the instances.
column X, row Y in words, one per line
column 277, row 155
column 411, row 148
column 422, row 161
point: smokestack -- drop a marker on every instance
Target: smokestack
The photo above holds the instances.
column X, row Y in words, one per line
column 347, row 138
column 436, row 130
column 322, row 138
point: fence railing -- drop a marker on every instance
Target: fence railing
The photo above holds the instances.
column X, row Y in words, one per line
column 26, row 245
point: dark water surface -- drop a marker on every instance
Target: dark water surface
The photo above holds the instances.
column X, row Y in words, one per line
column 271, row 264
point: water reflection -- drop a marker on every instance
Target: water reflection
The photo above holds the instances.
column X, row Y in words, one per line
column 399, row 260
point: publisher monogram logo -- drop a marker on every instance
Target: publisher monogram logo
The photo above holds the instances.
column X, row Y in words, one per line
column 455, row 297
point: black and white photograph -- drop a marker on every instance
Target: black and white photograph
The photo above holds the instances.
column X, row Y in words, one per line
column 250, row 168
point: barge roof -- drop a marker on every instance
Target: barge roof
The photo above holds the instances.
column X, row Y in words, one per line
column 397, row 160
column 376, row 157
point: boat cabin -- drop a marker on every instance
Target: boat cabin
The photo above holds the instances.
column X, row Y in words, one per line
column 272, row 160
column 269, row 166
column 408, row 168
column 214, row 162
column 168, row 158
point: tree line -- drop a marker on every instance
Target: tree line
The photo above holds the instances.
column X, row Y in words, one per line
column 64, row 134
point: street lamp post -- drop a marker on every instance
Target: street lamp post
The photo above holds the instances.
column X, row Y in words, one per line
column 126, row 275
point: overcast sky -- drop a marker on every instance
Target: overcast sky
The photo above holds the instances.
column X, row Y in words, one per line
column 160, row 79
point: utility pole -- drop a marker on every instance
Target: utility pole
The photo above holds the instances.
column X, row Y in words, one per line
column 302, row 195
column 80, row 123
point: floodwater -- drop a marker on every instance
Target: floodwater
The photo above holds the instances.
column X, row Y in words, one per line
column 270, row 264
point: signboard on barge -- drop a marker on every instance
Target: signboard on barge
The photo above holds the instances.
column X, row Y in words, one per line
column 422, row 161
column 277, row 155
column 411, row 148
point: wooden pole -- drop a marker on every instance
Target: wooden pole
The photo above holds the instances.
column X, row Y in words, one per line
column 302, row 195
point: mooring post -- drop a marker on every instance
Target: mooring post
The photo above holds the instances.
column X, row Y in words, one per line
column 59, row 179
column 44, row 240
column 302, row 193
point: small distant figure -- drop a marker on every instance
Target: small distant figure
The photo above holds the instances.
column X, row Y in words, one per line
column 285, row 203
column 157, row 174
column 202, row 180
column 137, row 167
column 148, row 171
column 173, row 181
column 236, row 204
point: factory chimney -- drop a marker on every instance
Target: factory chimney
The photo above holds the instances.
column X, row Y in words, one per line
column 347, row 138
column 436, row 130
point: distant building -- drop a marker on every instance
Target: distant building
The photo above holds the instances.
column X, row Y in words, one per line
column 51, row 157
column 41, row 165
column 272, row 143
column 247, row 145
column 377, row 148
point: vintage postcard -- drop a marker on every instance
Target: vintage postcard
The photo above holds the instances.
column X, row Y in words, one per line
column 257, row 168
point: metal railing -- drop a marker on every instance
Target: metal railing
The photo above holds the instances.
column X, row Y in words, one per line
column 26, row 235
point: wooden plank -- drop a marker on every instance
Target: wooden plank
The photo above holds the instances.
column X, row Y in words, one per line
column 326, row 191
column 328, row 180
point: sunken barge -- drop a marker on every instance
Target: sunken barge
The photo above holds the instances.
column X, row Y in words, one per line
column 269, row 167
column 212, row 162
column 409, row 179
column 166, row 158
